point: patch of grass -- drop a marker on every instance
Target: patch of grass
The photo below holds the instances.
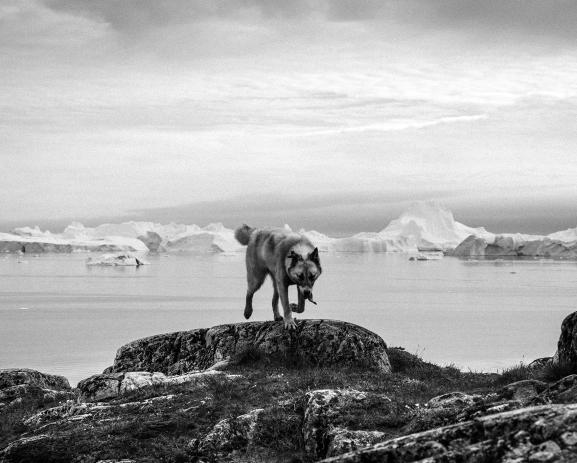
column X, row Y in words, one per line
column 552, row 372
column 424, row 380
column 549, row 372
column 252, row 357
column 405, row 362
column 279, row 428
column 516, row 373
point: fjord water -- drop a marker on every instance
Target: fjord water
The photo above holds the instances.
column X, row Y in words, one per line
column 59, row 316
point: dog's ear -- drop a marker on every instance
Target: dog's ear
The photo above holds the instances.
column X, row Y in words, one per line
column 314, row 256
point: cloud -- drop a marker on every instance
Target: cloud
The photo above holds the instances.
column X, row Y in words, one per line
column 26, row 25
column 131, row 15
column 530, row 17
column 154, row 101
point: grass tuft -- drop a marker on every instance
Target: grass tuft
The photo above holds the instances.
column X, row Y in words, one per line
column 556, row 371
column 516, row 373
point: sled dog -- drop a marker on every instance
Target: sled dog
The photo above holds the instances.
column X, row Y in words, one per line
column 289, row 258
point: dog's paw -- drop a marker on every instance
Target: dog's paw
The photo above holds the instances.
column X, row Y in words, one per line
column 290, row 324
column 295, row 308
column 247, row 312
column 278, row 318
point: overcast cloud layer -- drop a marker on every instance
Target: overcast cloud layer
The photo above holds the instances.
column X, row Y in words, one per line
column 156, row 108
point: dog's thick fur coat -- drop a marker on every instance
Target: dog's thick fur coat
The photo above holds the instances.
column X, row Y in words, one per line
column 289, row 258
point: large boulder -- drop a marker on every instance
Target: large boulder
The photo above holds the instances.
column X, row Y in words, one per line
column 317, row 342
column 567, row 345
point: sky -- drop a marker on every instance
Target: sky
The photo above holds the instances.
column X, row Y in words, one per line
column 332, row 115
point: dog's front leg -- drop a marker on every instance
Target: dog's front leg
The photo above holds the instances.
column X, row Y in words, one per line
column 289, row 322
column 300, row 308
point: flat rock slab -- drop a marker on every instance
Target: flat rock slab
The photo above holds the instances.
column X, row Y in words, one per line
column 535, row 434
column 111, row 385
column 318, row 342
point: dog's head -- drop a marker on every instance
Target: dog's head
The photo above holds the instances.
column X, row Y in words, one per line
column 303, row 269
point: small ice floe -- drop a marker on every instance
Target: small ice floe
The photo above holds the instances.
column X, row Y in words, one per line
column 23, row 308
column 427, row 256
column 116, row 260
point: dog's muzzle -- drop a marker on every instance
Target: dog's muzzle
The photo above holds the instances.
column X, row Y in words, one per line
column 306, row 291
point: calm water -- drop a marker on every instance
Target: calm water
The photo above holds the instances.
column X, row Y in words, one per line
column 59, row 316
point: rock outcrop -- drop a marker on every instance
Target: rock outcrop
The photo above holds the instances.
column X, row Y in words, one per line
column 165, row 400
column 18, row 376
column 231, row 433
column 111, row 385
column 534, row 434
column 567, row 345
column 25, row 387
column 324, row 422
column 563, row 391
column 315, row 342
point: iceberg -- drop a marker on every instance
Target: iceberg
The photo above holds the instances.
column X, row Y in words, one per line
column 361, row 242
column 534, row 246
column 567, row 236
column 429, row 226
column 425, row 226
column 426, row 255
column 122, row 237
column 48, row 242
column 116, row 260
column 212, row 238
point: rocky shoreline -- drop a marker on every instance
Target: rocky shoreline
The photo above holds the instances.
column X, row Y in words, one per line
column 329, row 391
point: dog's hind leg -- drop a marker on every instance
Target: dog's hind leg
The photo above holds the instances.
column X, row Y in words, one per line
column 255, row 279
column 275, row 298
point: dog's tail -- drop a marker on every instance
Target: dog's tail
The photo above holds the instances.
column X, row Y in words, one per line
column 242, row 234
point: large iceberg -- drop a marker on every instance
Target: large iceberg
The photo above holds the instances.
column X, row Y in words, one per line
column 430, row 226
column 424, row 226
column 361, row 242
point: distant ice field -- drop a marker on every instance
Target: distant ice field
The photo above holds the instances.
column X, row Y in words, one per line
column 59, row 316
